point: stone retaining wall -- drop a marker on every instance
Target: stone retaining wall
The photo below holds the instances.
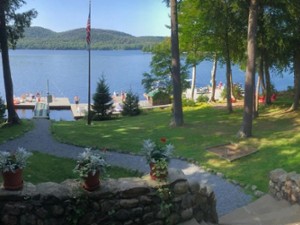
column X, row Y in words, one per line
column 126, row 201
column 285, row 185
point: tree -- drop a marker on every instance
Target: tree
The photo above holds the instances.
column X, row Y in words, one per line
column 216, row 28
column 161, row 71
column 177, row 88
column 12, row 26
column 190, row 37
column 246, row 130
column 103, row 102
column 2, row 109
column 131, row 105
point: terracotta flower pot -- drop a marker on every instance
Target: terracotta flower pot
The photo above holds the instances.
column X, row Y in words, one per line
column 13, row 181
column 153, row 172
column 91, row 182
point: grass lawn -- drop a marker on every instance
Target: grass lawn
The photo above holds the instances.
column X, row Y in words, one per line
column 10, row 132
column 276, row 136
column 43, row 167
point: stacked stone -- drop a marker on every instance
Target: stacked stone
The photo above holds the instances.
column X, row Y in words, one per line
column 126, row 201
column 285, row 185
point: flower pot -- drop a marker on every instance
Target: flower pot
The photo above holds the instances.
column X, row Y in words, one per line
column 157, row 173
column 91, row 182
column 13, row 181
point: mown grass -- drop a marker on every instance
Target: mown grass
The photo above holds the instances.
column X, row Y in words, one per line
column 8, row 132
column 275, row 134
column 43, row 167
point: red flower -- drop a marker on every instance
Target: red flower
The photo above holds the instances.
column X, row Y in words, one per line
column 163, row 140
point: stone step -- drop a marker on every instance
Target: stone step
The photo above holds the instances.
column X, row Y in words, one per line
column 264, row 211
column 263, row 205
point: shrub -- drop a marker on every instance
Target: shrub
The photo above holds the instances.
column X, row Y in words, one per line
column 188, row 102
column 131, row 105
column 237, row 92
column 202, row 98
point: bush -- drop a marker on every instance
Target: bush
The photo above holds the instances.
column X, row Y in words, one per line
column 237, row 92
column 2, row 110
column 131, row 105
column 202, row 98
column 188, row 102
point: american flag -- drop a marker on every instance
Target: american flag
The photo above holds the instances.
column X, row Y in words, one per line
column 88, row 28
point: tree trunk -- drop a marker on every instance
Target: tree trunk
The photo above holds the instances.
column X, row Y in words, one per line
column 258, row 85
column 213, row 79
column 256, row 105
column 176, row 79
column 261, row 74
column 228, row 80
column 246, row 130
column 295, row 104
column 13, row 117
column 193, row 82
column 268, row 82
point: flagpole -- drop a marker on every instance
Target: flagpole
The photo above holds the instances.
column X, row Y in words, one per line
column 88, row 30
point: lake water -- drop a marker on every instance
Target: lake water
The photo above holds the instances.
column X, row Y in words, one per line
column 67, row 73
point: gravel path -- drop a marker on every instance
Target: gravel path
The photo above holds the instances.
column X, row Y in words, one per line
column 229, row 196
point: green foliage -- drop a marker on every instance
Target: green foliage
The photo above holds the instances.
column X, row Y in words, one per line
column 2, row 110
column 103, row 103
column 90, row 162
column 41, row 38
column 131, row 105
column 160, row 169
column 188, row 102
column 16, row 22
column 160, row 74
column 202, row 98
column 237, row 92
column 161, row 98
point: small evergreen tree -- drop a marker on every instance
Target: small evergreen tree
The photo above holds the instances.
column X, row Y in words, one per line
column 103, row 103
column 2, row 110
column 131, row 105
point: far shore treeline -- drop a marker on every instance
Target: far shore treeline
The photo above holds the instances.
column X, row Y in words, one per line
column 41, row 38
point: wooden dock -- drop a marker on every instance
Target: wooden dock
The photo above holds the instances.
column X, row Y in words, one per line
column 56, row 104
column 78, row 110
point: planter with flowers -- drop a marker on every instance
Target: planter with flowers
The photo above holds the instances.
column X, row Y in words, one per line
column 157, row 155
column 11, row 166
column 89, row 165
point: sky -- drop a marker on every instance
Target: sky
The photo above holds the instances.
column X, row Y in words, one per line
column 135, row 17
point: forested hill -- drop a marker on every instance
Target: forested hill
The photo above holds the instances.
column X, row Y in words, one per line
column 41, row 38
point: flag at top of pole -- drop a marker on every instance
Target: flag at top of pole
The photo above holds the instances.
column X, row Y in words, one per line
column 88, row 27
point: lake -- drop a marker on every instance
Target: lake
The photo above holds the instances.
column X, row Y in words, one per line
column 67, row 73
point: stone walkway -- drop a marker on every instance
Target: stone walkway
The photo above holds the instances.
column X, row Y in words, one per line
column 229, row 196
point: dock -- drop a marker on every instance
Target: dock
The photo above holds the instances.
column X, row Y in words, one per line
column 78, row 110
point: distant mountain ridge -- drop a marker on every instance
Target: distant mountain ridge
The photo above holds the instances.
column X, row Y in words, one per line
column 42, row 38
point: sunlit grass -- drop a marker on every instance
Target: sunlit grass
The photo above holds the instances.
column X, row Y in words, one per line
column 275, row 134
